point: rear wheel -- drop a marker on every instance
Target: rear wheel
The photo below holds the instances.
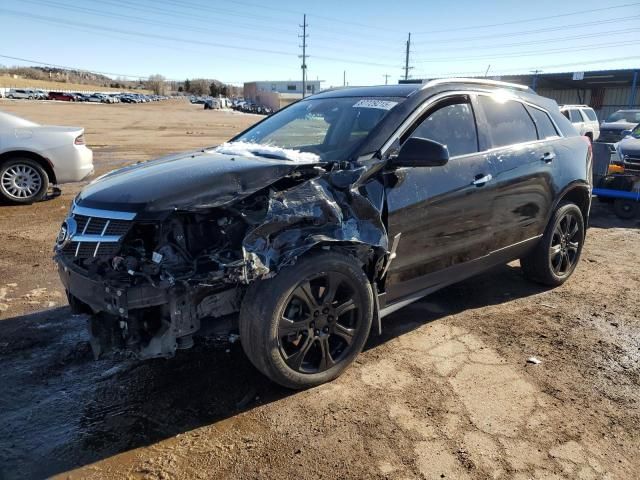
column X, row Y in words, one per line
column 306, row 325
column 626, row 209
column 555, row 257
column 23, row 181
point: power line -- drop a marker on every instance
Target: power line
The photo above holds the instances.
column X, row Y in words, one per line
column 594, row 46
column 528, row 20
column 184, row 40
column 547, row 40
column 529, row 32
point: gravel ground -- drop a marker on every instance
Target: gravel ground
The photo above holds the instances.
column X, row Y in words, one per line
column 446, row 392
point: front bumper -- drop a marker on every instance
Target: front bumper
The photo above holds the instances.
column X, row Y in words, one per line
column 102, row 296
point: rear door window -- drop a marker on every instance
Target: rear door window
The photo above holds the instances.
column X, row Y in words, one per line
column 452, row 125
column 545, row 126
column 590, row 114
column 574, row 116
column 508, row 122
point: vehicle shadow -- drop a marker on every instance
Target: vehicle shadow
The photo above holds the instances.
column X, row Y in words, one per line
column 60, row 409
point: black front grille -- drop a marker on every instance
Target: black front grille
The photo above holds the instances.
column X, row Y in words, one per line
column 95, row 225
column 97, row 236
column 88, row 249
column 632, row 163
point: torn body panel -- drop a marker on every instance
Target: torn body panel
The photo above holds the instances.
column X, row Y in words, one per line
column 177, row 270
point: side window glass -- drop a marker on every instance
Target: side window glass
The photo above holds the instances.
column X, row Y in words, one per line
column 574, row 116
column 452, row 125
column 507, row 121
column 544, row 124
column 590, row 114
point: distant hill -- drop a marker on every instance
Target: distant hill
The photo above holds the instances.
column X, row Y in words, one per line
column 62, row 75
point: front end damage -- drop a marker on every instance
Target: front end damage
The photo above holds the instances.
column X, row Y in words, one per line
column 151, row 281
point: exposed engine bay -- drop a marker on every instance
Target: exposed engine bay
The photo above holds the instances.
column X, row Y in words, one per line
column 180, row 272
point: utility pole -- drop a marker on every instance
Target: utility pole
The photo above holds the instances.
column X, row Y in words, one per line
column 406, row 60
column 534, row 80
column 386, row 78
column 304, row 37
column 344, row 78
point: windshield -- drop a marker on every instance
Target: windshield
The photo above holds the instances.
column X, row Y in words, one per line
column 635, row 133
column 330, row 128
column 630, row 116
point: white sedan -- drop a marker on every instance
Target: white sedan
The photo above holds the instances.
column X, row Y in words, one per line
column 34, row 156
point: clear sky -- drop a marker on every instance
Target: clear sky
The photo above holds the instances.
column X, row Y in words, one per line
column 237, row 41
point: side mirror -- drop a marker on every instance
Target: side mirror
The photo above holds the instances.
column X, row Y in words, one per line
column 626, row 133
column 421, row 152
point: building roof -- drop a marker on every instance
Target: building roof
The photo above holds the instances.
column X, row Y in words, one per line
column 585, row 79
column 565, row 80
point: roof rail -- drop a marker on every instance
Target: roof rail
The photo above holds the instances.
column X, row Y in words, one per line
column 479, row 81
column 574, row 105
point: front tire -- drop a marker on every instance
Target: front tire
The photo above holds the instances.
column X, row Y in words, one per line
column 307, row 324
column 23, row 181
column 555, row 257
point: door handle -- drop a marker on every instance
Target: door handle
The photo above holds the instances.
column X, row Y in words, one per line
column 482, row 179
column 548, row 157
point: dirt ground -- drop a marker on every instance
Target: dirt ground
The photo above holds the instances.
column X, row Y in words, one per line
column 446, row 392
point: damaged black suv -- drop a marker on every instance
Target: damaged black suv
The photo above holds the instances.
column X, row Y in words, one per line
column 303, row 231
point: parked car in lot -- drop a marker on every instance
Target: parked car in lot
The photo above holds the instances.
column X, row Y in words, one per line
column 62, row 96
column 34, row 156
column 306, row 229
column 611, row 130
column 97, row 98
column 628, row 150
column 584, row 119
column 21, row 93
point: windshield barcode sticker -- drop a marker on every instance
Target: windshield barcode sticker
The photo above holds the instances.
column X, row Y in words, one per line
column 379, row 104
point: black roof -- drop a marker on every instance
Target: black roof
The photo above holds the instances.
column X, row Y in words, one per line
column 376, row 91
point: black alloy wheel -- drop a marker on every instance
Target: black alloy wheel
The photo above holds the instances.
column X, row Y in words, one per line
column 306, row 325
column 565, row 244
column 318, row 323
column 554, row 258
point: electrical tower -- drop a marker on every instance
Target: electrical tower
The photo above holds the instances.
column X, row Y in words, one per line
column 304, row 37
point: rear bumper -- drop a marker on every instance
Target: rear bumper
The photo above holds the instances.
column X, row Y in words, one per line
column 72, row 164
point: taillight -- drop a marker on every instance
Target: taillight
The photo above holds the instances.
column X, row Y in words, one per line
column 79, row 140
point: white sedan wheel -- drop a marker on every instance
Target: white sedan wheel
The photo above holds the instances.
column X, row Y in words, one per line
column 23, row 181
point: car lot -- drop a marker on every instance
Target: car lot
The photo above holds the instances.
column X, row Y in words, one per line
column 446, row 390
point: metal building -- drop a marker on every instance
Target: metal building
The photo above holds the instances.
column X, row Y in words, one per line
column 604, row 90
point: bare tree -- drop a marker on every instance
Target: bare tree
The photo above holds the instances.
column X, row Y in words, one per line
column 200, row 86
column 157, row 83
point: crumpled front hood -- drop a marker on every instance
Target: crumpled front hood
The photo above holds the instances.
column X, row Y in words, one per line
column 629, row 146
column 184, row 181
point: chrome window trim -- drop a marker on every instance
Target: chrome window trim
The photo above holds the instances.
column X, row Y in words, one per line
column 96, row 212
column 408, row 122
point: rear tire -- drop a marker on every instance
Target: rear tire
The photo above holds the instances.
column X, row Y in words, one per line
column 23, row 181
column 625, row 208
column 307, row 324
column 555, row 257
